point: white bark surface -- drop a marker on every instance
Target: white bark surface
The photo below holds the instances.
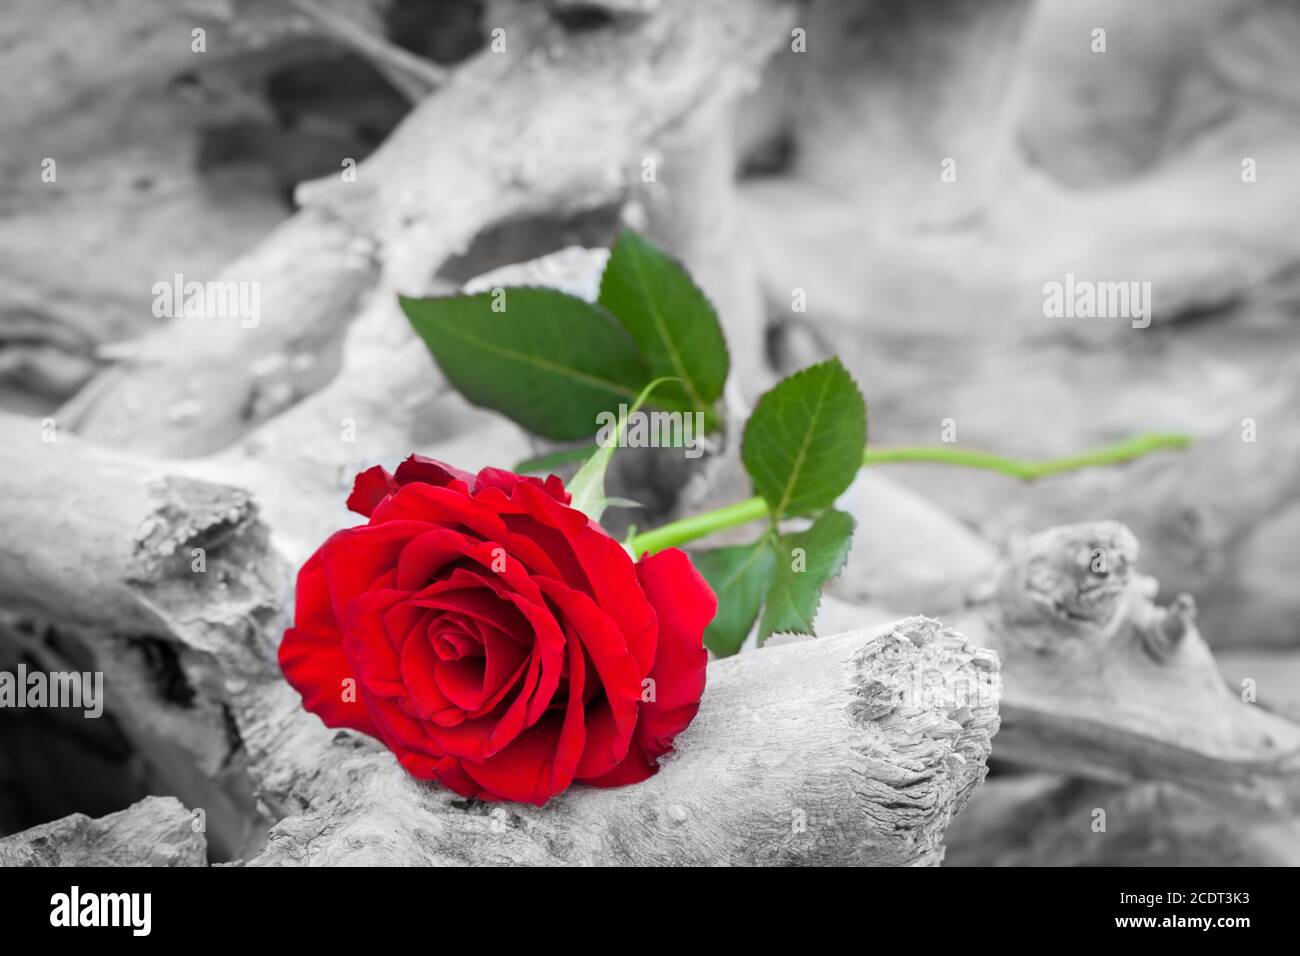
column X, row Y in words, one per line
column 157, row 831
column 1045, row 820
column 545, row 128
column 242, row 442
column 819, row 752
column 1102, row 682
column 857, row 749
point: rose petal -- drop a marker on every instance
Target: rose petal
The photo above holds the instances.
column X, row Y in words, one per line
column 425, row 694
column 615, row 665
column 427, row 553
column 453, row 640
column 366, row 646
column 419, row 469
column 522, row 771
column 685, row 605
column 633, row 768
column 312, row 659
column 369, row 488
column 505, row 662
column 400, row 731
column 356, row 558
column 447, row 771
column 474, row 599
column 573, row 735
column 547, row 642
column 508, row 480
column 462, row 682
column 601, row 753
column 608, row 572
column 482, row 738
column 454, row 509
column 404, row 619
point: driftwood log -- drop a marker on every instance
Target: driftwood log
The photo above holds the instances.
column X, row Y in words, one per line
column 854, row 750
column 857, row 749
column 236, row 444
column 900, row 740
column 159, row 147
column 1064, row 161
column 1046, row 820
column 157, row 831
column 425, row 195
column 1101, row 682
column 240, row 748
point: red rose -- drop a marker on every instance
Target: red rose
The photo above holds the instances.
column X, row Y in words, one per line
column 497, row 640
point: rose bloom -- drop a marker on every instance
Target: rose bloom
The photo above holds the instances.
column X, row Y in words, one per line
column 494, row 638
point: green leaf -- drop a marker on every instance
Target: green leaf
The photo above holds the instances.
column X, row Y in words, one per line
column 549, row 361
column 739, row 576
column 805, row 440
column 587, row 487
column 806, row 562
column 554, row 460
column 671, row 320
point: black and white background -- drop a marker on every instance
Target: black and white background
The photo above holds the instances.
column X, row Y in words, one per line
column 900, row 184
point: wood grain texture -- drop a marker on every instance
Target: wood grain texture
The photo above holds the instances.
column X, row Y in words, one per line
column 1102, row 682
column 544, row 128
column 855, row 749
column 157, row 831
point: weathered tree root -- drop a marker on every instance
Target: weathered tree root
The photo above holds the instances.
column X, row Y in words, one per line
column 1103, row 683
column 157, row 831
column 857, row 749
column 1046, row 820
column 196, row 385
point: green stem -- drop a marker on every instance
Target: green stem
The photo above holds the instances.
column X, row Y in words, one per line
column 752, row 509
column 699, row 526
column 1029, row 470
